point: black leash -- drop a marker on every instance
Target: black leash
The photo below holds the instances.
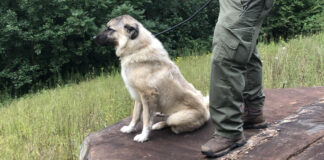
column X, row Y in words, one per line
column 188, row 19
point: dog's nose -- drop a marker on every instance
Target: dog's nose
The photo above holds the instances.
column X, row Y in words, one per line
column 94, row 37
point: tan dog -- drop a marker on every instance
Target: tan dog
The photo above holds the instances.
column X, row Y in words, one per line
column 153, row 80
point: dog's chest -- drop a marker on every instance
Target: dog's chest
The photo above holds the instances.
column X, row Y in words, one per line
column 134, row 94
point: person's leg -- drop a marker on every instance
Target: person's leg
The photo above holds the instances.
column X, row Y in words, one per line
column 226, row 87
column 234, row 41
column 235, row 38
column 253, row 95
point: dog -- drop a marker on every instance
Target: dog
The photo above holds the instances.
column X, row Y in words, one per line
column 153, row 80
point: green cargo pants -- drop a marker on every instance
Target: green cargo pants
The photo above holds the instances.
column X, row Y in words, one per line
column 236, row 70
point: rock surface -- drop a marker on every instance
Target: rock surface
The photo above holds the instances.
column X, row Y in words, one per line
column 296, row 132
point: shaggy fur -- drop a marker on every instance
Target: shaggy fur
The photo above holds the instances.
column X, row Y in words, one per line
column 153, row 80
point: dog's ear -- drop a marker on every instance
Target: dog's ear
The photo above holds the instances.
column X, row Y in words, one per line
column 132, row 31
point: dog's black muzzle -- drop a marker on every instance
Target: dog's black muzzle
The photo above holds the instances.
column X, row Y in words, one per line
column 103, row 40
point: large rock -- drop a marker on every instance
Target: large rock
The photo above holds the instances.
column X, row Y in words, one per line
column 297, row 136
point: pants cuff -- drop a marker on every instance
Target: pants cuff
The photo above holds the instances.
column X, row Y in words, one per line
column 230, row 136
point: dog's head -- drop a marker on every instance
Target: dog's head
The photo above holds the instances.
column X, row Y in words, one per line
column 119, row 31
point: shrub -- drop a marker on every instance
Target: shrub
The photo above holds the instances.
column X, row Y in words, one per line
column 290, row 18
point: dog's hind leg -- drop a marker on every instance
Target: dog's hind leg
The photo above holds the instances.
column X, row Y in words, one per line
column 186, row 120
column 159, row 125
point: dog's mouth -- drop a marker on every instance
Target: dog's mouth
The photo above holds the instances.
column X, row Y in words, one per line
column 102, row 40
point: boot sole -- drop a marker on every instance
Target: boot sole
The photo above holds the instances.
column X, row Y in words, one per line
column 256, row 126
column 225, row 151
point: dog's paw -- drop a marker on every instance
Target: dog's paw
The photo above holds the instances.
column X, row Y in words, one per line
column 159, row 114
column 141, row 138
column 159, row 125
column 175, row 130
column 127, row 129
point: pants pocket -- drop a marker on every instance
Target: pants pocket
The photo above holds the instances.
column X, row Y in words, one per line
column 233, row 44
column 225, row 44
column 245, row 47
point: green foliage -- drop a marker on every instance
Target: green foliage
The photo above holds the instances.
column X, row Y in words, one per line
column 290, row 18
column 42, row 42
column 40, row 39
column 195, row 34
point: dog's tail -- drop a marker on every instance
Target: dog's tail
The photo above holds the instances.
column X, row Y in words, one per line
column 206, row 101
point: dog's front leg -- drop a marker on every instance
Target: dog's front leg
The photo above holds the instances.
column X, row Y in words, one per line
column 147, row 118
column 135, row 118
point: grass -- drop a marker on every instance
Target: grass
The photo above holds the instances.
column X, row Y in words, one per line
column 53, row 123
column 300, row 62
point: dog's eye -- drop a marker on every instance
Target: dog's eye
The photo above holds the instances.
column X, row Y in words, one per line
column 109, row 29
column 129, row 28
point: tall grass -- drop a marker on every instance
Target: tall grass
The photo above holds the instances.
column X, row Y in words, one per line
column 53, row 123
column 300, row 62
